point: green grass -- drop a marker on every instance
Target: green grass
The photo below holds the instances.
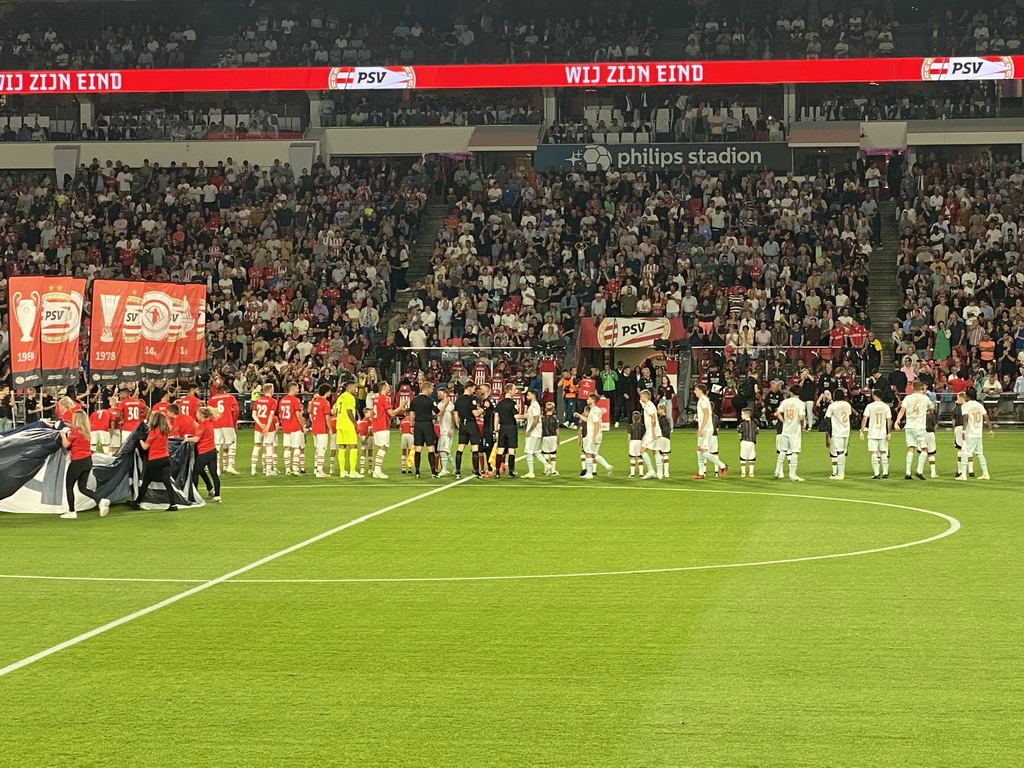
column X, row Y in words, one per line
column 906, row 657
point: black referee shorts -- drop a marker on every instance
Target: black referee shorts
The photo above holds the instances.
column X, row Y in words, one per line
column 423, row 434
column 469, row 434
column 508, row 437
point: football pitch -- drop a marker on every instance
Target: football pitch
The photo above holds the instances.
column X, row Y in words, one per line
column 548, row 622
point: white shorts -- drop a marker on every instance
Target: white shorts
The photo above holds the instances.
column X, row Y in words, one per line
column 382, row 439
column 929, row 442
column 972, row 446
column 748, row 450
column 648, row 442
column 549, row 444
column 878, row 445
column 591, row 447
column 295, row 439
column 100, row 438
column 789, row 445
column 264, row 438
column 406, row 441
column 917, row 437
column 663, row 445
column 321, row 443
column 115, row 439
column 634, row 448
column 778, row 443
column 838, row 445
column 533, row 445
column 224, row 436
column 958, row 436
column 707, row 443
column 444, row 443
column 125, row 434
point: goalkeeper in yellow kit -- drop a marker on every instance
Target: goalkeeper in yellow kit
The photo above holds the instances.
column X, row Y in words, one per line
column 348, row 441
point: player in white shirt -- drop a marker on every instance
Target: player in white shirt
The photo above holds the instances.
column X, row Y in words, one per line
column 915, row 410
column 838, row 415
column 976, row 418
column 652, row 437
column 534, row 434
column 958, row 436
column 707, row 448
column 877, row 422
column 592, row 442
column 446, row 429
column 792, row 414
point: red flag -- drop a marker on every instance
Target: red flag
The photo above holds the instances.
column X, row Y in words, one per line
column 47, row 322
column 115, row 331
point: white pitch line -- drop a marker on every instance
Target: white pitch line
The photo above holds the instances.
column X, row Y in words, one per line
column 954, row 526
column 214, row 582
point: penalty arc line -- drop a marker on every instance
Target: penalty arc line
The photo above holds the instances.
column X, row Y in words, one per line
column 15, row 666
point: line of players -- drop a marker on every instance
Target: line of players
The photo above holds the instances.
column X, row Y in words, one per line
column 489, row 427
column 916, row 417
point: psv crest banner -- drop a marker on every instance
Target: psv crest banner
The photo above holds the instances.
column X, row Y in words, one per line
column 139, row 329
column 45, row 323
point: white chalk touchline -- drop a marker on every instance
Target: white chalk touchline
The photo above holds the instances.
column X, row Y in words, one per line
column 953, row 527
column 219, row 580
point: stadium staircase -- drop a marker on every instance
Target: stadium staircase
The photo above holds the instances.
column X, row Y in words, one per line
column 886, row 298
column 912, row 39
column 209, row 51
column 419, row 258
column 671, row 44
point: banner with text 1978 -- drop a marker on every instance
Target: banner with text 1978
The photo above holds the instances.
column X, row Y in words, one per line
column 153, row 330
column 45, row 323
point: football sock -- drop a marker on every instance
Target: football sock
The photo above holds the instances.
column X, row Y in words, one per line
column 719, row 464
column 529, row 463
column 498, row 463
column 984, row 463
column 922, row 457
column 793, row 459
column 601, row 460
column 287, row 459
column 659, row 465
column 353, row 460
column 779, row 463
column 885, row 464
column 511, row 463
column 876, row 464
column 910, row 461
column 416, row 460
column 648, row 465
column 379, row 461
column 255, row 458
column 458, row 462
column 664, row 464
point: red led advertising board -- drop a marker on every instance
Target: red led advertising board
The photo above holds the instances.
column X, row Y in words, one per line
column 426, row 77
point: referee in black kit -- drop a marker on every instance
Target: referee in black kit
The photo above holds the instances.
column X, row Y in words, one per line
column 424, row 409
column 467, row 411
column 507, row 415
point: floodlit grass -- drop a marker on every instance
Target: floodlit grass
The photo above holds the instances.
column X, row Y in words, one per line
column 906, row 657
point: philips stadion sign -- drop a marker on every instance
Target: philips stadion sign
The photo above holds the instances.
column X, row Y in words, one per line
column 667, row 157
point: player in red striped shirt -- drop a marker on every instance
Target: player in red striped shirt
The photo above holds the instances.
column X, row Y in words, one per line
column 189, row 405
column 264, row 416
column 320, row 422
column 100, row 421
column 131, row 412
column 225, row 408
column 294, row 428
column 382, row 415
column 364, row 428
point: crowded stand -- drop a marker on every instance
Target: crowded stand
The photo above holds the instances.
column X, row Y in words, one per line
column 295, row 260
column 955, row 101
column 960, row 270
column 340, row 108
column 992, row 28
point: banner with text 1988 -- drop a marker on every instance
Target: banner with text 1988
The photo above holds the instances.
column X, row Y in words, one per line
column 45, row 323
column 156, row 330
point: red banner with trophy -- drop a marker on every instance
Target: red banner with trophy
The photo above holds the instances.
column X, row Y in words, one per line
column 45, row 322
column 155, row 330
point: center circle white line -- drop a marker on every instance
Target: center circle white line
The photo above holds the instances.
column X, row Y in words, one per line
column 953, row 527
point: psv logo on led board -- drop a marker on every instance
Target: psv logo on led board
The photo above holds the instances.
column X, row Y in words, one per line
column 967, row 68
column 371, row 78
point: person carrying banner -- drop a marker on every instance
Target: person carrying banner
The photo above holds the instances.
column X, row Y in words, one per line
column 158, row 460
column 78, row 441
column 206, row 451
